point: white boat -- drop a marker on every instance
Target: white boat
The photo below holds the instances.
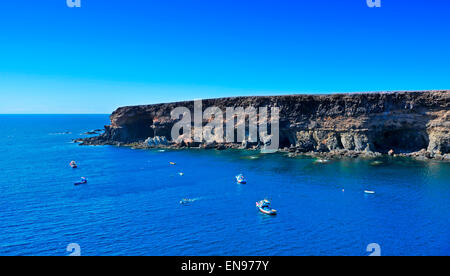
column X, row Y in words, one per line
column 240, row 179
column 264, row 207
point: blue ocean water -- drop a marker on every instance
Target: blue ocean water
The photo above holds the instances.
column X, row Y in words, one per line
column 131, row 204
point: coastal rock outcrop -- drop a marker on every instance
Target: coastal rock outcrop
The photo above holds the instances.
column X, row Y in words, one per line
column 357, row 123
column 156, row 141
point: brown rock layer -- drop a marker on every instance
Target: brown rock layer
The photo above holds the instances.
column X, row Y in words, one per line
column 405, row 122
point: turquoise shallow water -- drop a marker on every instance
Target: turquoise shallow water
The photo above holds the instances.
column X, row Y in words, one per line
column 131, row 204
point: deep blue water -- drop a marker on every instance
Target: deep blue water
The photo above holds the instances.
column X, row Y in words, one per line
column 131, row 204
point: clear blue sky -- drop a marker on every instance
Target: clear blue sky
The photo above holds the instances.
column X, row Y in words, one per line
column 106, row 54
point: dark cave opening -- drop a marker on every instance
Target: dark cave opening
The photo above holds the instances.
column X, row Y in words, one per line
column 286, row 140
column 139, row 129
column 401, row 140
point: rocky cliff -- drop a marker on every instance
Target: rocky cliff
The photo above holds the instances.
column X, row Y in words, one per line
column 395, row 122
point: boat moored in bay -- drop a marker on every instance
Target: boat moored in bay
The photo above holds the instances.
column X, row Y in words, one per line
column 264, row 207
column 241, row 179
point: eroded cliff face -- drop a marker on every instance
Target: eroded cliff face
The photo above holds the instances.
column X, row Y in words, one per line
column 404, row 122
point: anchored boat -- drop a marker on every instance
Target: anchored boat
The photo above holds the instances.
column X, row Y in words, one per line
column 83, row 181
column 240, row 179
column 264, row 207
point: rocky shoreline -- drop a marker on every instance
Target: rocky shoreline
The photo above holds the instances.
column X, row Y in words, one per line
column 360, row 125
column 292, row 152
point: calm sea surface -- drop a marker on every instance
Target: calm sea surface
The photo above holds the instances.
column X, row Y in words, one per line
column 131, row 204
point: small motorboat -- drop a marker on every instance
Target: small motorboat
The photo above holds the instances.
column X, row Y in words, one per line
column 73, row 165
column 172, row 163
column 83, row 181
column 321, row 161
column 264, row 207
column 369, row 192
column 185, row 201
column 240, row 179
